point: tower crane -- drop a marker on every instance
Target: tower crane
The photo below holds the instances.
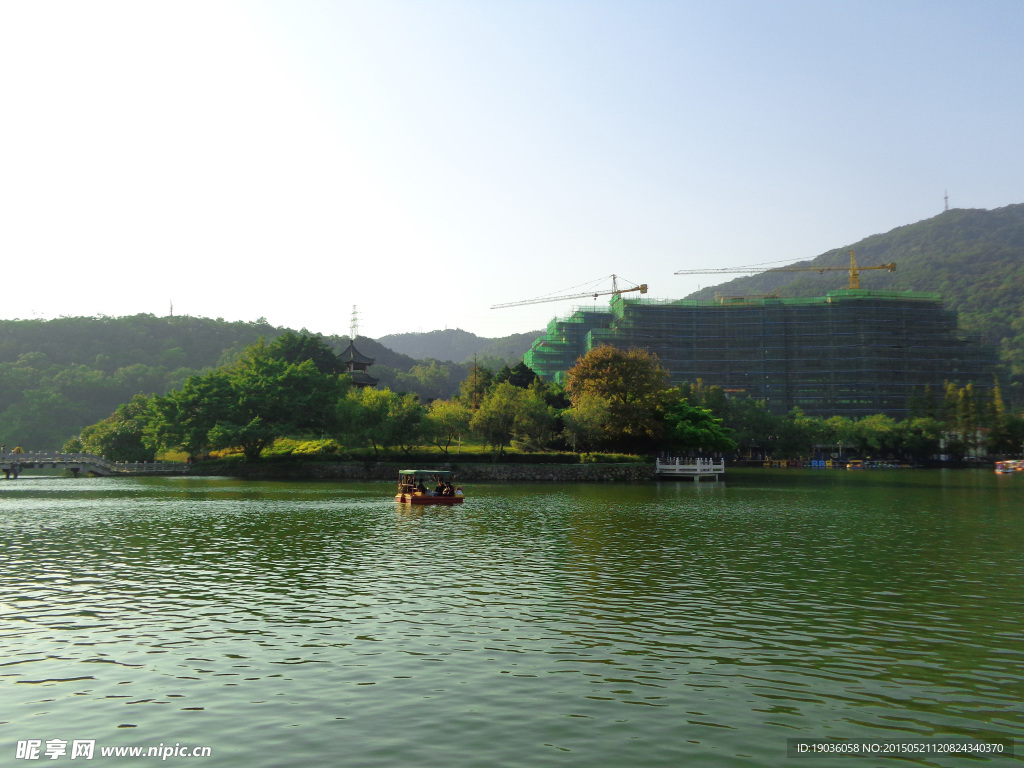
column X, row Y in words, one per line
column 590, row 294
column 853, row 269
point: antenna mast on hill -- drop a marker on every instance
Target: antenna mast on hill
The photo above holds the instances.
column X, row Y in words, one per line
column 353, row 328
column 946, row 198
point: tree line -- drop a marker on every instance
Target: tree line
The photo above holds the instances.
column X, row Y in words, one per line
column 613, row 401
column 57, row 376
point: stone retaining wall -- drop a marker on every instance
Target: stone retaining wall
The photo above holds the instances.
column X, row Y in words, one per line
column 465, row 473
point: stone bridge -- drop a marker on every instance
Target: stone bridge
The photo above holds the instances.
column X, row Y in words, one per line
column 13, row 464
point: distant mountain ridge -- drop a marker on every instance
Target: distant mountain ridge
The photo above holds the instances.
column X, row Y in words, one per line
column 457, row 346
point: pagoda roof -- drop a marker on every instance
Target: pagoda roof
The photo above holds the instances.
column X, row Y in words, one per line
column 353, row 355
column 363, row 379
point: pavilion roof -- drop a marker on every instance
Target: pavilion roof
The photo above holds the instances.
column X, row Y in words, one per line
column 352, row 355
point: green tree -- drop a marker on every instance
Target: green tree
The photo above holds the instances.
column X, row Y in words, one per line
column 878, row 435
column 696, row 429
column 447, row 420
column 248, row 405
column 183, row 418
column 967, row 417
column 843, row 433
column 800, row 434
column 406, row 416
column 753, row 425
column 634, row 385
column 431, row 381
column 919, row 438
column 536, row 420
column 381, row 418
column 121, row 436
column 507, row 412
column 521, row 375
column 475, row 386
column 585, row 422
column 298, row 347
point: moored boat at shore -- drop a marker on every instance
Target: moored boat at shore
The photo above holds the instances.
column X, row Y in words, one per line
column 427, row 486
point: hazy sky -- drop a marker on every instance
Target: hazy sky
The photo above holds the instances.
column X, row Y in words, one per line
column 425, row 159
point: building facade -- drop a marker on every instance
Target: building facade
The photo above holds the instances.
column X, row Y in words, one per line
column 850, row 353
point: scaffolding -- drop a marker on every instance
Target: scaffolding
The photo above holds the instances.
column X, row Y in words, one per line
column 851, row 353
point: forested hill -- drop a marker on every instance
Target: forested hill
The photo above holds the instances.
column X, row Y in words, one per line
column 973, row 257
column 57, row 376
column 458, row 346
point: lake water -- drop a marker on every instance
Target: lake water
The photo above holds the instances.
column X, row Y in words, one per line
column 656, row 624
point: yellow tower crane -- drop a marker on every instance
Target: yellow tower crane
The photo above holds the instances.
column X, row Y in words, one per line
column 853, row 269
column 588, row 295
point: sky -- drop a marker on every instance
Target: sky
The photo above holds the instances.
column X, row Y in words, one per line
column 423, row 160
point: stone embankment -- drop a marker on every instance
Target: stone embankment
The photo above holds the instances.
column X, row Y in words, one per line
column 504, row 473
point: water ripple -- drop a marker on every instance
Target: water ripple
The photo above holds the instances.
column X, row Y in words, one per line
column 535, row 625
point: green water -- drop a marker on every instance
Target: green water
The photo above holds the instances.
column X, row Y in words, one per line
column 656, row 624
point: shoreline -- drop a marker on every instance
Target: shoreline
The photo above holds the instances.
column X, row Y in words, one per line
column 466, row 472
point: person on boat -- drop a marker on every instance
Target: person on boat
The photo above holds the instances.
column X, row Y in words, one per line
column 421, row 488
column 439, row 490
column 458, row 491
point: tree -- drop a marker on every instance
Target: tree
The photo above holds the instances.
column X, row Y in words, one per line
column 507, row 412
column 535, row 419
column 248, row 405
column 445, row 421
column 753, row 425
column 799, row 434
column 406, row 416
column 381, row 418
column 999, row 440
column 521, row 375
column 298, row 347
column 585, row 422
column 843, row 432
column 475, row 386
column 431, row 381
column 702, row 395
column 919, row 438
column 632, row 383
column 121, row 436
column 878, row 435
column 182, row 419
column 696, row 429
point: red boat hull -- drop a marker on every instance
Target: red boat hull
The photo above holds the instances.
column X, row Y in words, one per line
column 409, row 498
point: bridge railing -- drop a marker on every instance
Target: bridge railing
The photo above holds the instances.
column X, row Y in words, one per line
column 90, row 459
column 689, row 467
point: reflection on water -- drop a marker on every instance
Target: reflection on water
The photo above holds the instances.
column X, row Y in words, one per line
column 655, row 624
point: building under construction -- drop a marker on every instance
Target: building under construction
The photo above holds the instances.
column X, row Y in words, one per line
column 850, row 353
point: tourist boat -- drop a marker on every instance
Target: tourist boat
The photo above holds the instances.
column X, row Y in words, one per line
column 427, row 486
column 1012, row 465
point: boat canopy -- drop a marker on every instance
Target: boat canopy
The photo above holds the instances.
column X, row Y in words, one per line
column 423, row 474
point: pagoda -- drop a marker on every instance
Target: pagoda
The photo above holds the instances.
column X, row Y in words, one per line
column 356, row 364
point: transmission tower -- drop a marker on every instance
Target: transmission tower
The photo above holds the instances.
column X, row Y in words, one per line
column 353, row 328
